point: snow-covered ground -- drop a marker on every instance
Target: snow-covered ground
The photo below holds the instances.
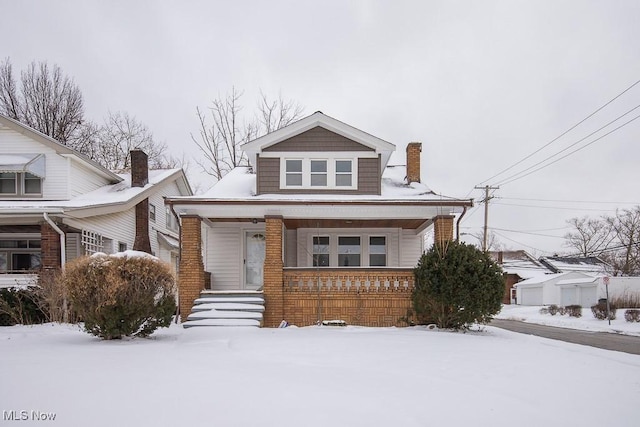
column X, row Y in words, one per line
column 531, row 314
column 313, row 376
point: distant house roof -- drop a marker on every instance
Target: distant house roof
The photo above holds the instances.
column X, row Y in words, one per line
column 560, row 264
column 519, row 262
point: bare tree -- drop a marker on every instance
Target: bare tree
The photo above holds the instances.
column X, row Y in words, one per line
column 626, row 226
column 111, row 143
column 220, row 141
column 46, row 100
column 589, row 236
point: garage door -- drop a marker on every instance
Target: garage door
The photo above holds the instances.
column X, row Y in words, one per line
column 588, row 296
column 568, row 296
column 531, row 296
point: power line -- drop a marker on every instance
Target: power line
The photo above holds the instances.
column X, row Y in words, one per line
column 555, row 207
column 516, row 177
column 562, row 134
column 520, row 243
column 569, row 201
column 528, row 233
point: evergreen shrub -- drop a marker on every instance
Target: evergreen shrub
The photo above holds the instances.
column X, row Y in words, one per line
column 573, row 310
column 126, row 294
column 456, row 285
column 21, row 305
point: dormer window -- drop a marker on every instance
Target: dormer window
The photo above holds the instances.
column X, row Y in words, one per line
column 293, row 173
column 21, row 174
column 318, row 173
column 32, row 184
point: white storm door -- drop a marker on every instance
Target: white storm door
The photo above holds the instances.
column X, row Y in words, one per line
column 254, row 259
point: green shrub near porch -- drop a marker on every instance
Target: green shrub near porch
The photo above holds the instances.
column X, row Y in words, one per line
column 456, row 286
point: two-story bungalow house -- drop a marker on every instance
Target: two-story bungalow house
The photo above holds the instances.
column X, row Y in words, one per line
column 320, row 227
column 56, row 204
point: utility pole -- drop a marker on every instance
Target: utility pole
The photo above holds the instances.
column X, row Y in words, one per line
column 486, row 189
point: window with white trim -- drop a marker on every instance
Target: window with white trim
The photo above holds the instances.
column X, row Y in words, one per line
column 318, row 173
column 20, row 184
column 349, row 251
column 293, row 172
column 8, row 183
column 377, row 251
column 321, row 251
column 152, row 212
column 170, row 219
column 32, row 184
column 344, row 173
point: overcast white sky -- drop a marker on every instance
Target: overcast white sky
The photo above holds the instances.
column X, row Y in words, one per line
column 481, row 83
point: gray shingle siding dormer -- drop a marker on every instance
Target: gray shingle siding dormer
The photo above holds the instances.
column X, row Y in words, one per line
column 318, row 139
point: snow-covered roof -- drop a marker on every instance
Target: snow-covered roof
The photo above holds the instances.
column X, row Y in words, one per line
column 582, row 264
column 114, row 194
column 519, row 262
column 240, row 184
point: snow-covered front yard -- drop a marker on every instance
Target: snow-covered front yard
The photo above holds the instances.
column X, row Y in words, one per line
column 313, row 376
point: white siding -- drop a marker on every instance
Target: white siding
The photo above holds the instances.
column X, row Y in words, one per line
column 119, row 227
column 83, row 180
column 223, row 256
column 290, row 250
column 411, row 248
column 160, row 224
column 54, row 186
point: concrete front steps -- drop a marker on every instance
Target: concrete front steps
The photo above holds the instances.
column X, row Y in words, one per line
column 226, row 308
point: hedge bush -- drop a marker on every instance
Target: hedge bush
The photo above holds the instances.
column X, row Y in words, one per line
column 457, row 285
column 574, row 310
column 126, row 294
column 600, row 311
column 632, row 315
column 21, row 305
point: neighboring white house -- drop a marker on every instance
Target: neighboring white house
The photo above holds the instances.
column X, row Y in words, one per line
column 52, row 197
column 558, row 288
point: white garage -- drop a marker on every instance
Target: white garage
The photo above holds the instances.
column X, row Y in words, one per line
column 530, row 296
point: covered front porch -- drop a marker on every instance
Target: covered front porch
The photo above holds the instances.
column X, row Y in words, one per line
column 311, row 268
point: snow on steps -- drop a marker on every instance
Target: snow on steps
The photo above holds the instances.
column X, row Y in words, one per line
column 227, row 308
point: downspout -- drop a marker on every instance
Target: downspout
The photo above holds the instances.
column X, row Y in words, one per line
column 63, row 255
column 464, row 211
column 175, row 214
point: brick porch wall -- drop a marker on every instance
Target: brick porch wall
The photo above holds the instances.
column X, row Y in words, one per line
column 443, row 228
column 191, row 276
column 49, row 247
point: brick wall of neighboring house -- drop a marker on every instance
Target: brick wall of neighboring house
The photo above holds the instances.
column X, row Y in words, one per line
column 443, row 228
column 273, row 275
column 509, row 281
column 142, row 241
column 49, row 247
column 191, row 277
column 413, row 161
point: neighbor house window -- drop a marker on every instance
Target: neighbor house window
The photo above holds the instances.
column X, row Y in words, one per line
column 152, row 212
column 318, row 173
column 19, row 255
column 320, row 251
column 171, row 222
column 122, row 247
column 294, row 172
column 349, row 251
column 8, row 183
column 32, row 184
column 344, row 173
column 377, row 251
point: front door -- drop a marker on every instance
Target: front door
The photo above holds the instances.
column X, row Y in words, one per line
column 254, row 259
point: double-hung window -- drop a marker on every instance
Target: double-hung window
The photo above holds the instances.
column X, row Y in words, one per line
column 293, row 173
column 318, row 173
column 377, row 251
column 320, row 251
column 8, row 183
column 344, row 173
column 349, row 250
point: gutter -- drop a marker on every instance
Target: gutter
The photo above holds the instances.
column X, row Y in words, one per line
column 63, row 254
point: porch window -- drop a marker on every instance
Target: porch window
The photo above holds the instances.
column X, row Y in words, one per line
column 344, row 173
column 321, row 251
column 377, row 251
column 19, row 255
column 294, row 172
column 318, row 173
column 8, row 183
column 349, row 251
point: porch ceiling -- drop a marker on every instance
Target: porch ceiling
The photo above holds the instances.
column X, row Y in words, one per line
column 294, row 223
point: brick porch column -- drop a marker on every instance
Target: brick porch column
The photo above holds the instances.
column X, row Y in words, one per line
column 191, row 275
column 273, row 279
column 443, row 229
column 49, row 247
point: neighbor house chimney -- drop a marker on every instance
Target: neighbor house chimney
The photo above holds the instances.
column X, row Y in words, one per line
column 140, row 178
column 413, row 162
column 139, row 168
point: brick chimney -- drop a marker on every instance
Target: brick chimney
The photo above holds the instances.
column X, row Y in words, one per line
column 139, row 168
column 413, row 162
column 140, row 178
